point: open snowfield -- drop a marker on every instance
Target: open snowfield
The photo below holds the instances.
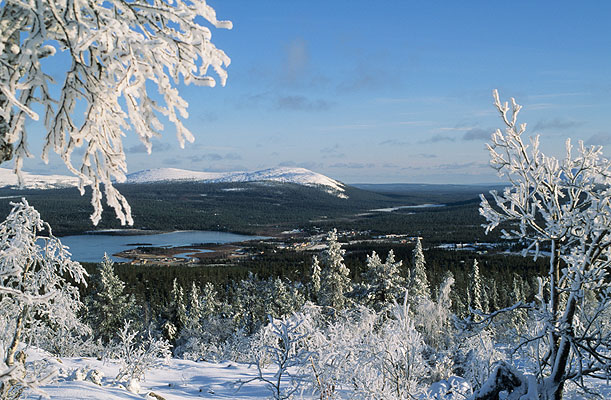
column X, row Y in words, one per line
column 184, row 379
column 180, row 379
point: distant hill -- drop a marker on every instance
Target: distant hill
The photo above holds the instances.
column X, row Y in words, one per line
column 33, row 181
column 300, row 176
column 264, row 202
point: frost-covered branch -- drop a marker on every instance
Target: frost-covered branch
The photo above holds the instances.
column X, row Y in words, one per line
column 124, row 60
column 283, row 344
column 36, row 288
column 138, row 353
column 564, row 204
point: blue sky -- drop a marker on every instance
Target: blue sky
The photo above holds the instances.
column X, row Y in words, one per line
column 391, row 91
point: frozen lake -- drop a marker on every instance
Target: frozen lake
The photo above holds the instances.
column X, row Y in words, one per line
column 91, row 247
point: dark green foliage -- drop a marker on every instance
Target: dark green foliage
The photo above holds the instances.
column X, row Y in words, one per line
column 270, row 208
column 152, row 285
column 267, row 208
column 108, row 307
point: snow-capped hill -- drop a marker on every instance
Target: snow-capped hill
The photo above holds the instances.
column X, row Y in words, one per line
column 299, row 176
column 170, row 174
column 32, row 181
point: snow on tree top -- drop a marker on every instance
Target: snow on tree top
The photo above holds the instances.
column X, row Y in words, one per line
column 299, row 176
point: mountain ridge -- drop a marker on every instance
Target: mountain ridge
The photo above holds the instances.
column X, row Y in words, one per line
column 301, row 176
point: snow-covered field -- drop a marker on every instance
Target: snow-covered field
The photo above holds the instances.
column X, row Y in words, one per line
column 184, row 379
column 179, row 379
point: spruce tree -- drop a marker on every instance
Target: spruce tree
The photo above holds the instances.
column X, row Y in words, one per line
column 475, row 288
column 209, row 300
column 335, row 275
column 194, row 313
column 315, row 280
column 285, row 298
column 383, row 281
column 178, row 301
column 192, row 326
column 493, row 297
column 109, row 306
column 518, row 317
column 175, row 313
column 418, row 282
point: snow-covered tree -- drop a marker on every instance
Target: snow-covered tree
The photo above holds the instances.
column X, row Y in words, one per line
column 255, row 299
column 174, row 314
column 383, row 281
column 315, row 283
column 207, row 329
column 475, row 288
column 367, row 358
column 563, row 205
column 37, row 287
column 335, row 279
column 434, row 318
column 494, row 300
column 192, row 324
column 109, row 306
column 122, row 59
column 209, row 300
column 282, row 343
column 284, row 299
column 418, row 284
column 138, row 352
column 195, row 312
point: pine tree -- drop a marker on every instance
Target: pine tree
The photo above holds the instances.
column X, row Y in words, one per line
column 418, row 282
column 109, row 307
column 335, row 275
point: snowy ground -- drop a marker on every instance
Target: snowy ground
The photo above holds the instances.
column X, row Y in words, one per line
column 180, row 379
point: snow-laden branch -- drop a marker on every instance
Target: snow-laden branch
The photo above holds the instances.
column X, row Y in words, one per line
column 37, row 287
column 126, row 58
column 565, row 205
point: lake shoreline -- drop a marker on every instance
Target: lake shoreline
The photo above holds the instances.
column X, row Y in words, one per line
column 133, row 244
column 128, row 232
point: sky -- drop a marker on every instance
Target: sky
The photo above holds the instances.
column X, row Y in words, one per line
column 390, row 91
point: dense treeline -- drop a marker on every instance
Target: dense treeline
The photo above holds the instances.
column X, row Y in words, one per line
column 153, row 284
column 268, row 208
